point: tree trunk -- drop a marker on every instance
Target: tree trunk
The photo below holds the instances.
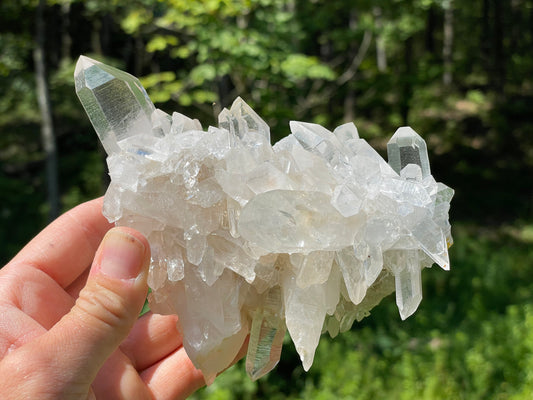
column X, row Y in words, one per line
column 96, row 43
column 47, row 129
column 349, row 105
column 484, row 40
column 381, row 55
column 447, row 44
column 66, row 40
column 406, row 81
column 498, row 56
column 430, row 30
column 349, row 99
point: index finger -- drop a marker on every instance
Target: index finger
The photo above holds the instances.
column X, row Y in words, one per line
column 66, row 247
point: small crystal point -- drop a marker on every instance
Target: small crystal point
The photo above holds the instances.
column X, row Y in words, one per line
column 406, row 269
column 115, row 101
column 266, row 336
column 253, row 122
column 346, row 132
column 264, row 347
column 407, row 147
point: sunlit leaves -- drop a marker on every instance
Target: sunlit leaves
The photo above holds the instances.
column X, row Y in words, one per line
column 135, row 19
column 160, row 43
column 202, row 73
column 299, row 66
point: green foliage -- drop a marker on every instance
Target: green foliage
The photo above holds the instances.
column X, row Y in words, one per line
column 300, row 66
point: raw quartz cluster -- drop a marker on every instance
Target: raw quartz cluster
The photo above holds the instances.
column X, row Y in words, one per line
column 250, row 239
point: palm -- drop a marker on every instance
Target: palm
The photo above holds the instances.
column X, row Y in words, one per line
column 41, row 284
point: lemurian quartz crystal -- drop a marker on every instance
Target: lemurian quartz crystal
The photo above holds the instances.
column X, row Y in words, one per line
column 250, row 239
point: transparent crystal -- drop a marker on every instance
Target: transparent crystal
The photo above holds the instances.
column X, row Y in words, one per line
column 406, row 268
column 286, row 221
column 115, row 101
column 305, row 311
column 407, row 147
column 266, row 336
column 249, row 239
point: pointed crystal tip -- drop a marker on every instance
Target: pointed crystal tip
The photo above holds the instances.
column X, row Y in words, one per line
column 407, row 147
column 115, row 101
column 83, row 63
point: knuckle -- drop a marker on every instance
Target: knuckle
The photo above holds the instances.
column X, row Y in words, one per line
column 102, row 307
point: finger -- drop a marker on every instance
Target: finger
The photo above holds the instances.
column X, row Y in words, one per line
column 152, row 338
column 79, row 283
column 73, row 238
column 105, row 311
column 16, row 329
column 35, row 293
column 174, row 377
column 118, row 369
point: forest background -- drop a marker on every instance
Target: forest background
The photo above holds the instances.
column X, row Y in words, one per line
column 459, row 72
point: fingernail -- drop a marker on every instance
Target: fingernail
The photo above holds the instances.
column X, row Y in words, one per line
column 122, row 255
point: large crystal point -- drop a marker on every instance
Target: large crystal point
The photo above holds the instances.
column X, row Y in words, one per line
column 305, row 312
column 407, row 147
column 114, row 100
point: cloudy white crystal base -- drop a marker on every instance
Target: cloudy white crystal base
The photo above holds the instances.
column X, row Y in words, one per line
column 249, row 239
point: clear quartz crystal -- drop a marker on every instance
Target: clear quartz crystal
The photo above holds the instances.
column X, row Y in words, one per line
column 406, row 268
column 407, row 147
column 249, row 239
column 115, row 102
column 266, row 336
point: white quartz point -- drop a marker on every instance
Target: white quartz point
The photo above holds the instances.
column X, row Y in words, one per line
column 407, row 276
column 210, row 319
column 254, row 123
column 115, row 101
column 182, row 123
column 241, row 121
column 442, row 206
column 433, row 242
column 353, row 273
column 313, row 268
column 407, row 147
column 305, row 311
column 346, row 132
column 316, row 139
column 289, row 221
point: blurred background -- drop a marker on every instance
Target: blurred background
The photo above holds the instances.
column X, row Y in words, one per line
column 459, row 72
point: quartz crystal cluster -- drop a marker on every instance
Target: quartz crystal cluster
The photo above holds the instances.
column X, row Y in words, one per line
column 253, row 240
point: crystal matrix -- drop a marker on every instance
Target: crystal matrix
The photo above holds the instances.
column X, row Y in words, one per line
column 250, row 239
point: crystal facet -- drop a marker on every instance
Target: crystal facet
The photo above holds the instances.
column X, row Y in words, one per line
column 249, row 239
column 114, row 100
column 407, row 147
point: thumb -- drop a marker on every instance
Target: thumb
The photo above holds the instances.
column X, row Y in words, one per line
column 106, row 309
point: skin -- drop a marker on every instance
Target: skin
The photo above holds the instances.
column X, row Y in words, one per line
column 69, row 303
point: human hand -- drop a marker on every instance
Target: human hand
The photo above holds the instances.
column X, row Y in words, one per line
column 69, row 330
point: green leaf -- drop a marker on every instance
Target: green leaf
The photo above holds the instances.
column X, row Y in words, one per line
column 300, row 66
column 204, row 96
column 160, row 43
column 202, row 73
column 155, row 79
column 135, row 19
